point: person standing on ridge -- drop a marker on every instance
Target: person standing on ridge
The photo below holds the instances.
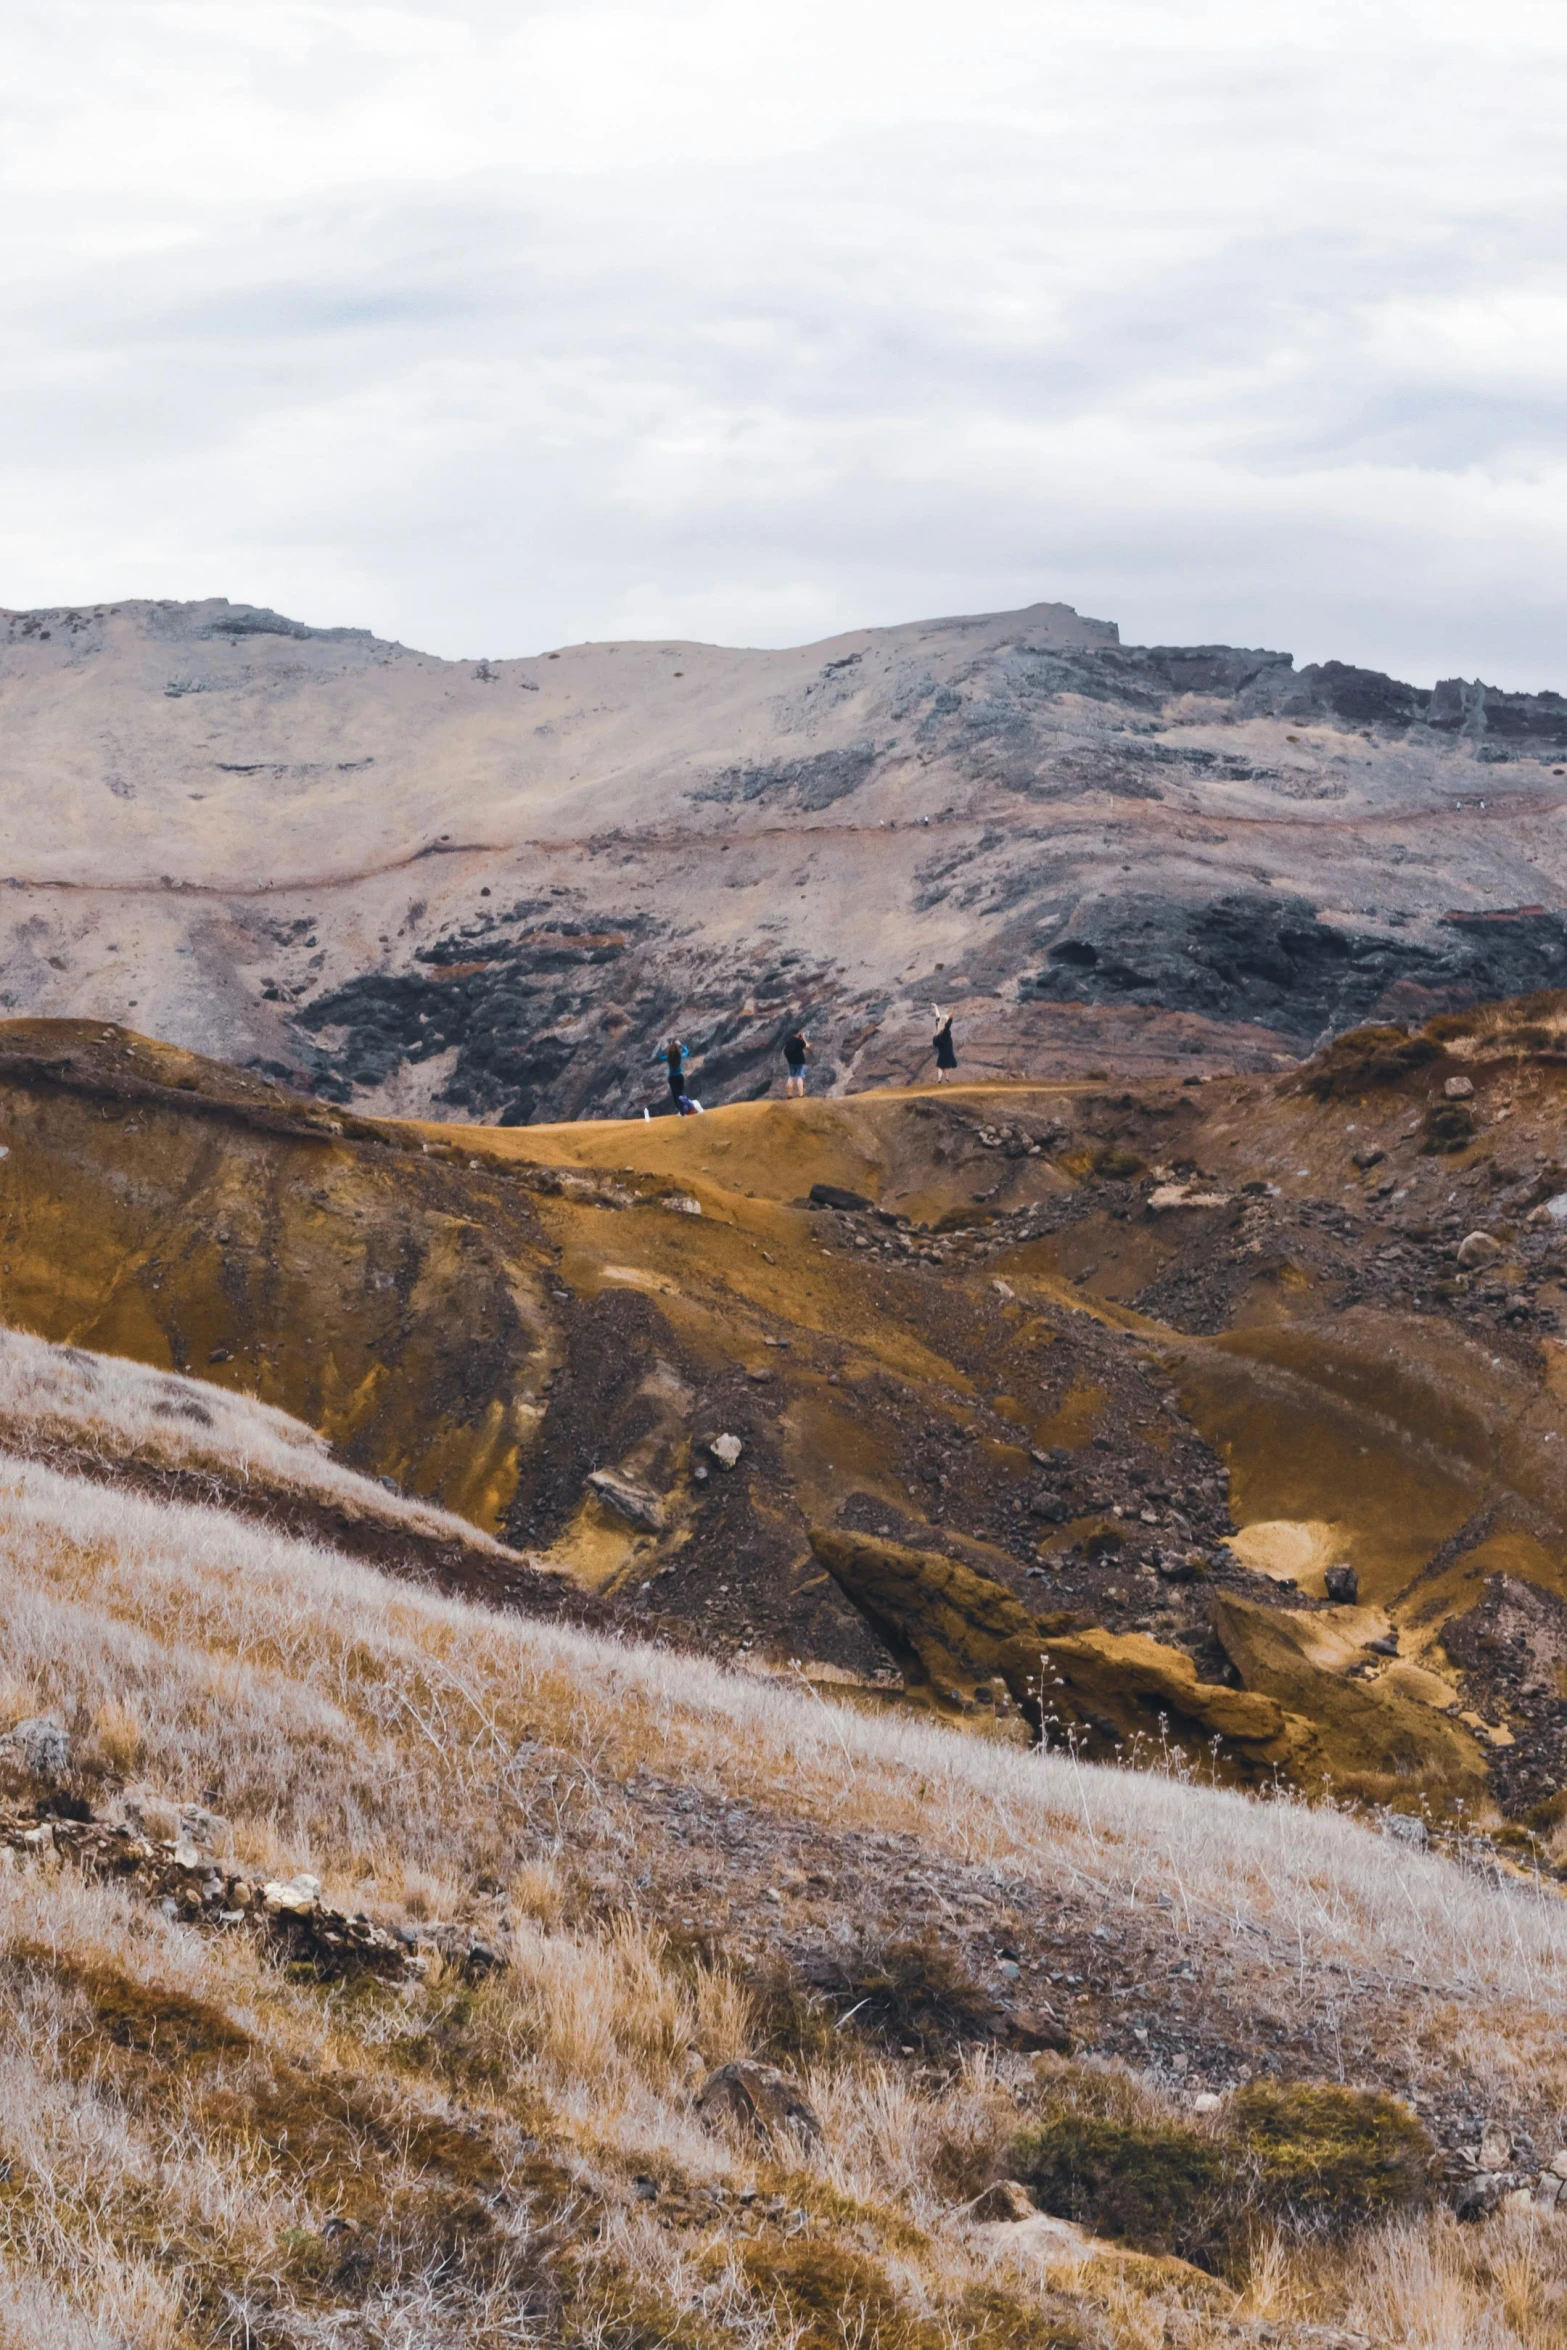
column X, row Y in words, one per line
column 674, row 1057
column 796, row 1053
column 941, row 1044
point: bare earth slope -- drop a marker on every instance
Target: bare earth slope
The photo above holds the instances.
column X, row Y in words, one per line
column 490, row 888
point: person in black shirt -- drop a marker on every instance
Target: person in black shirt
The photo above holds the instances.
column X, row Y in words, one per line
column 796, row 1053
column 941, row 1044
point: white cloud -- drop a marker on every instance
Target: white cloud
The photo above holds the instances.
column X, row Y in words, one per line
column 490, row 325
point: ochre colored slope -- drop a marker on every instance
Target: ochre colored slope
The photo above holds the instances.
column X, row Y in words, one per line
column 1071, row 1337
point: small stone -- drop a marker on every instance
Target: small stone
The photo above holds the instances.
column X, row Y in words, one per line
column 1206, row 2102
column 1007, row 2199
column 287, row 1900
column 759, row 1375
column 726, row 1450
column 1459, row 1089
column 1496, row 2150
column 1176, row 1566
column 761, row 2098
column 1557, row 2165
column 634, row 1503
column 1004, row 1291
column 1342, row 1584
column 1478, row 1248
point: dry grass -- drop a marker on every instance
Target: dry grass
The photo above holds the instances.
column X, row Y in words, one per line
column 115, row 1413
column 424, row 2169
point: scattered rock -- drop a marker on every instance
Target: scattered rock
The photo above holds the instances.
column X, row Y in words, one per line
column 681, row 1203
column 1459, row 1089
column 1496, row 2149
column 1342, row 1584
column 726, row 1450
column 1007, row 2199
column 40, row 1747
column 188, row 1886
column 833, row 1195
column 761, row 2099
column 634, row 1503
column 1478, row 1249
column 295, row 1898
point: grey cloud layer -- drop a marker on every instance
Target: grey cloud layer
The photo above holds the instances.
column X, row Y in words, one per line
column 493, row 327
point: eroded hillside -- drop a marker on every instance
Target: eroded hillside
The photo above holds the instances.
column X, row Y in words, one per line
column 1241, row 1390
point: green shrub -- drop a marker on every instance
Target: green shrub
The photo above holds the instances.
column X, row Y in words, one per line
column 1329, row 2159
column 832, row 2297
column 1309, row 2158
column 1160, row 2188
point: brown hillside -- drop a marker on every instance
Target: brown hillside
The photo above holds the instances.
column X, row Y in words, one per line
column 1123, row 1353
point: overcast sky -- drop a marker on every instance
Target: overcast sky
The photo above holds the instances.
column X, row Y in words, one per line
column 494, row 326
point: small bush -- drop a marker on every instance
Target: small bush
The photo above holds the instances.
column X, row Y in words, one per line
column 1449, row 1127
column 1117, row 1166
column 1330, row 2159
column 1160, row 2188
column 915, row 1993
column 1308, row 2158
column 1367, row 1057
column 832, row 2296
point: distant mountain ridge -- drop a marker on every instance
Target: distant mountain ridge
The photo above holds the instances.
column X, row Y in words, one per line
column 491, row 887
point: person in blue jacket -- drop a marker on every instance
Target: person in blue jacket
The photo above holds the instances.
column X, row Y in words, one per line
column 674, row 1056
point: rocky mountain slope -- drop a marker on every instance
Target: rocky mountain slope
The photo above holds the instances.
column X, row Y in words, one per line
column 1240, row 1400
column 487, row 890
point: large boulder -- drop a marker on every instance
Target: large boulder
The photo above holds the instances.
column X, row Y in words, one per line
column 1371, row 1741
column 950, row 1627
column 37, row 1749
